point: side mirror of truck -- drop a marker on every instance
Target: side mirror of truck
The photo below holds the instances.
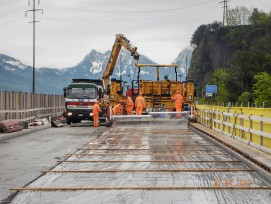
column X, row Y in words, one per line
column 100, row 93
column 64, row 90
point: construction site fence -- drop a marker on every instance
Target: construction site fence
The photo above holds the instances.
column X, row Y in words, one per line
column 249, row 125
column 22, row 106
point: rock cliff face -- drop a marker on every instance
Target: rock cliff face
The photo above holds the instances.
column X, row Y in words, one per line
column 213, row 51
column 244, row 50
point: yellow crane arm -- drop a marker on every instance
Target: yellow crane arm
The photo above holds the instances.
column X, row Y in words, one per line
column 120, row 41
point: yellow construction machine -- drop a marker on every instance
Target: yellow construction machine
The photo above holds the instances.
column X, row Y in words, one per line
column 115, row 88
column 158, row 93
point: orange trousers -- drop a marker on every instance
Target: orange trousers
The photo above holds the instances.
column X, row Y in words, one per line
column 178, row 109
column 139, row 110
column 96, row 120
column 129, row 110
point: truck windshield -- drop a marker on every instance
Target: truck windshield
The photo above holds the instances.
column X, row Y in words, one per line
column 81, row 93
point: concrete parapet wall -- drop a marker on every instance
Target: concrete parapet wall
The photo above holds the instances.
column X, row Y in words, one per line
column 25, row 106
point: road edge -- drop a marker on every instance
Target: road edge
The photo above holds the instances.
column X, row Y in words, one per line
column 7, row 136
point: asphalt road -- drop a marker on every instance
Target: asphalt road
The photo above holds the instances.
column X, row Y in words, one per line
column 23, row 157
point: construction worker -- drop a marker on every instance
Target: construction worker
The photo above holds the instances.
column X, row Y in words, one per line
column 108, row 111
column 117, row 109
column 194, row 114
column 122, row 104
column 96, row 111
column 129, row 105
column 178, row 98
column 139, row 104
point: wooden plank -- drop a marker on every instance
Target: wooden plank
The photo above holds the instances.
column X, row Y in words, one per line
column 172, row 154
column 158, row 161
column 151, row 145
column 134, row 149
column 156, row 188
column 145, row 170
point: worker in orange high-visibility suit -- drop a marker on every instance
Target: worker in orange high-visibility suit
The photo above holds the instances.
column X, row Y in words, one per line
column 96, row 111
column 129, row 105
column 139, row 104
column 117, row 109
column 108, row 111
column 178, row 98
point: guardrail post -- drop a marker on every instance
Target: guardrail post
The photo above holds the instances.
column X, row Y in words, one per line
column 229, row 121
column 5, row 104
column 223, row 125
column 211, row 119
column 202, row 117
column 242, row 132
column 261, row 129
column 235, row 122
column 214, row 118
column 219, row 119
column 250, row 126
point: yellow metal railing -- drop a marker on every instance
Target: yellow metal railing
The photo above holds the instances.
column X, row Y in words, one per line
column 249, row 125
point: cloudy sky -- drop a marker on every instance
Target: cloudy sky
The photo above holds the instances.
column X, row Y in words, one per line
column 69, row 29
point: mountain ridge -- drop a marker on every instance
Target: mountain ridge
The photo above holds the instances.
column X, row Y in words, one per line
column 16, row 76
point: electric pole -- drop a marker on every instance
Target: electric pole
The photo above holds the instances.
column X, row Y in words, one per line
column 33, row 10
column 225, row 12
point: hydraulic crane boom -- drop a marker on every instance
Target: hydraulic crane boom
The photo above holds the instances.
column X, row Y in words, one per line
column 121, row 41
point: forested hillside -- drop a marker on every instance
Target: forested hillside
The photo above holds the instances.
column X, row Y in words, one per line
column 236, row 57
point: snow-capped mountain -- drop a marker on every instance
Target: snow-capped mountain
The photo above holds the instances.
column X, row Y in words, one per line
column 11, row 64
column 184, row 60
column 15, row 76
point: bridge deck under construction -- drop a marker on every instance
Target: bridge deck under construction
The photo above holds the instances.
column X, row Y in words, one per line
column 152, row 162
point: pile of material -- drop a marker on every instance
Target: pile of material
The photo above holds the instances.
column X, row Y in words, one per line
column 58, row 121
column 10, row 126
column 38, row 122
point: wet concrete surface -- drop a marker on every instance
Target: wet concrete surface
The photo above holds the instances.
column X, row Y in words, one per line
column 22, row 158
column 159, row 162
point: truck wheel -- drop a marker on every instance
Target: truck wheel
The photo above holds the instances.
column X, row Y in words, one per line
column 69, row 121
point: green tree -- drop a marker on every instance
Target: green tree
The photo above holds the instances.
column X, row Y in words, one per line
column 262, row 88
column 220, row 77
column 198, row 35
column 242, row 68
column 245, row 98
column 239, row 16
column 260, row 17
